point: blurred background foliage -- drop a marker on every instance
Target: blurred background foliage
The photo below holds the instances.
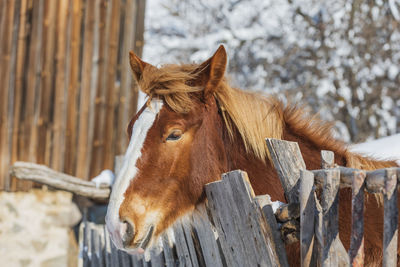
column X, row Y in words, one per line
column 341, row 57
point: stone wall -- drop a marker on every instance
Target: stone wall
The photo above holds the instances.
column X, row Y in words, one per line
column 35, row 229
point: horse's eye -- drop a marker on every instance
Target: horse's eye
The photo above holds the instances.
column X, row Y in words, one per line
column 174, row 136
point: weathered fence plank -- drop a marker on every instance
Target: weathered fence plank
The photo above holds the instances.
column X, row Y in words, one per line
column 375, row 180
column 187, row 231
column 327, row 159
column 328, row 162
column 288, row 162
column 330, row 224
column 238, row 220
column 225, row 223
column 246, row 229
column 390, row 221
column 207, row 238
column 272, row 230
column 307, row 210
column 182, row 250
column 168, row 251
column 356, row 251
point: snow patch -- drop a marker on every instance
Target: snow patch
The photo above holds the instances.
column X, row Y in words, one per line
column 387, row 148
column 276, row 205
column 105, row 177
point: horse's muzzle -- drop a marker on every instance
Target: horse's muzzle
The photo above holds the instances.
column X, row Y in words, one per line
column 121, row 233
column 127, row 233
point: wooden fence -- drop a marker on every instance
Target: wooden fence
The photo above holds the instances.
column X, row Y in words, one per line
column 237, row 228
column 319, row 218
column 224, row 237
column 66, row 91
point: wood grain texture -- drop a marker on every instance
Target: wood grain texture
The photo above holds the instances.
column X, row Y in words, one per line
column 57, row 58
column 356, row 251
column 330, row 220
column 288, row 162
column 390, row 218
column 30, row 116
column 239, row 221
column 85, row 103
column 112, row 85
column 327, row 159
column 18, row 89
column 271, row 230
column 307, row 210
column 8, row 45
column 45, row 175
column 205, row 233
column 375, row 180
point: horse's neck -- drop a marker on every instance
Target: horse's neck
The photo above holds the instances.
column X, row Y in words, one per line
column 312, row 154
column 263, row 177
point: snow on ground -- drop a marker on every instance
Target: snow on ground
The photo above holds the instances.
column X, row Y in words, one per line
column 383, row 148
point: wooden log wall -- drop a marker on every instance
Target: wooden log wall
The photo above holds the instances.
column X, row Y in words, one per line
column 66, row 92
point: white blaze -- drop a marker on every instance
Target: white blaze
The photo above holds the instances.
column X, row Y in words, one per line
column 128, row 170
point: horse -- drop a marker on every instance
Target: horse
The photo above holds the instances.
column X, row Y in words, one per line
column 194, row 127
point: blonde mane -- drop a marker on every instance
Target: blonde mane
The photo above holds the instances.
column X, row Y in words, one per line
column 253, row 115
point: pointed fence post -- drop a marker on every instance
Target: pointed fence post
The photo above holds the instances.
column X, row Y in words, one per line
column 390, row 219
column 356, row 251
column 241, row 227
column 307, row 214
column 288, row 162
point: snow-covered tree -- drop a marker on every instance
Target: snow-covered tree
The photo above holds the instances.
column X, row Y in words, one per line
column 339, row 56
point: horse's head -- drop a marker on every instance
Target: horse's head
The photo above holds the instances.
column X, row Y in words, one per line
column 176, row 146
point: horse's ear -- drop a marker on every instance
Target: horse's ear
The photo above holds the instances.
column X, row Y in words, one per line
column 212, row 71
column 137, row 65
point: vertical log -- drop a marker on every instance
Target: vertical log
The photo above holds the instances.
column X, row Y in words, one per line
column 206, row 237
column 330, row 231
column 139, row 37
column 8, row 46
column 307, row 210
column 19, row 85
column 288, row 162
column 356, row 251
column 30, row 117
column 328, row 162
column 188, row 232
column 168, row 252
column 61, row 95
column 111, row 85
column 107, row 247
column 86, row 98
column 272, row 230
column 128, row 96
column 327, row 159
column 239, row 221
column 390, row 219
column 98, row 156
column 72, row 109
column 45, row 114
column 182, row 250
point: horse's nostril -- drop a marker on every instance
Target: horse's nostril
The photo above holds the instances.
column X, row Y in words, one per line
column 127, row 233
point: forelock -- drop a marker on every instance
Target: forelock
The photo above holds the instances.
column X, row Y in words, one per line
column 172, row 83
